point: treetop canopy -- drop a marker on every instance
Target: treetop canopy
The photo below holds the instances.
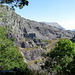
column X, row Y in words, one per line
column 15, row 3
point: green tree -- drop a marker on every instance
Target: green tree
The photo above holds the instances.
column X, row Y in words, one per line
column 16, row 3
column 10, row 56
column 61, row 57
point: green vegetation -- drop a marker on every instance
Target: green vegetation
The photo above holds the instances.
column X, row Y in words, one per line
column 30, row 49
column 4, row 16
column 43, row 54
column 2, row 5
column 1, row 14
column 47, row 41
column 61, row 59
column 9, row 54
column 4, row 19
column 15, row 3
column 45, row 48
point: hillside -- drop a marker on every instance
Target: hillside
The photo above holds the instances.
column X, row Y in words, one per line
column 54, row 24
column 32, row 37
column 24, row 28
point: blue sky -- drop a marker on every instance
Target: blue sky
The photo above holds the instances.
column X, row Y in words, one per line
column 60, row 11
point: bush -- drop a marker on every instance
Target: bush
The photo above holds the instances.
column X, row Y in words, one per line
column 61, row 59
column 9, row 54
column 45, row 48
column 43, row 54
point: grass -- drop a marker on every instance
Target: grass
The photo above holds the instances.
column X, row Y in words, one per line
column 2, row 5
column 30, row 49
column 34, row 61
column 47, row 41
column 51, row 45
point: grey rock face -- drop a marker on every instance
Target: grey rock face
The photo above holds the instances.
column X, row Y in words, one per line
column 73, row 39
column 33, row 55
column 39, row 42
column 54, row 24
column 26, row 45
column 21, row 28
column 32, row 35
column 28, row 33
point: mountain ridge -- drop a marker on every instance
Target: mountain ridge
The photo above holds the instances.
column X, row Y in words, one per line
column 55, row 24
column 31, row 36
column 21, row 28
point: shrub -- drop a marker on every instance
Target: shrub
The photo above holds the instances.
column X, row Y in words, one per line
column 9, row 54
column 61, row 59
column 45, row 48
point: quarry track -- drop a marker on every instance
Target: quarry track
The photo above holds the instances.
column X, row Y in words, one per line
column 49, row 46
column 52, row 44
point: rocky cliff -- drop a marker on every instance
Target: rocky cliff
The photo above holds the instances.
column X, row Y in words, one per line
column 54, row 24
column 22, row 28
column 30, row 35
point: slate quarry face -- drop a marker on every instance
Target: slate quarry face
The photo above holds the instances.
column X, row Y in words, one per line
column 21, row 28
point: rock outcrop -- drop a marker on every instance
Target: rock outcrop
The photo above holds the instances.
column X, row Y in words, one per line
column 29, row 34
column 73, row 39
column 54, row 24
column 35, row 54
column 22, row 28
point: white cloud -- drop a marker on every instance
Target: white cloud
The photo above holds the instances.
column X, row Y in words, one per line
column 69, row 24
